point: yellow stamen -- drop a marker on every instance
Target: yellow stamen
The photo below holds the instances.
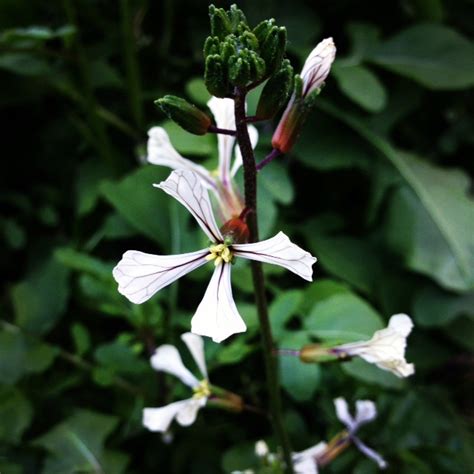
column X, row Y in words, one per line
column 220, row 253
column 202, row 390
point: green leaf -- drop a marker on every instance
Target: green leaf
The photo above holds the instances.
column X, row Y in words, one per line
column 369, row 373
column 16, row 413
column 435, row 307
column 320, row 290
column 362, row 86
column 462, row 332
column 21, row 356
column 299, row 380
column 438, row 212
column 41, row 298
column 120, row 358
column 197, row 91
column 90, row 174
column 277, row 183
column 81, row 338
column 434, row 55
column 77, row 445
column 282, row 309
column 25, row 64
column 142, row 205
column 343, row 317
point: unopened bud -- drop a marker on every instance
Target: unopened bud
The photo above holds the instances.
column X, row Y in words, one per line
column 186, row 115
column 316, row 353
column 273, row 48
column 236, row 230
column 276, row 92
column 220, row 23
column 214, row 77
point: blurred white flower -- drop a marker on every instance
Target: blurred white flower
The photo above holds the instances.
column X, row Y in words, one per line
column 167, row 359
column 305, row 462
column 220, row 182
column 141, row 275
column 261, row 449
column 365, row 412
column 387, row 347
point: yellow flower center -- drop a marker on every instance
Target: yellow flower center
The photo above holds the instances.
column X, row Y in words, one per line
column 220, row 253
column 202, row 390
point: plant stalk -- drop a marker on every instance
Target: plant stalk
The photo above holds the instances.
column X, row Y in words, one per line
column 250, row 189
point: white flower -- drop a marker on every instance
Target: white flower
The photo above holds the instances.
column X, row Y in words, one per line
column 387, row 347
column 365, row 412
column 167, row 359
column 220, row 182
column 261, row 449
column 317, row 66
column 305, row 462
column 141, row 275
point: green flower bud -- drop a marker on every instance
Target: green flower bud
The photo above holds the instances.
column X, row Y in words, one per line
column 257, row 66
column 239, row 70
column 211, row 46
column 249, row 40
column 215, row 78
column 273, row 48
column 186, row 115
column 237, row 18
column 228, row 49
column 262, row 29
column 276, row 92
column 220, row 23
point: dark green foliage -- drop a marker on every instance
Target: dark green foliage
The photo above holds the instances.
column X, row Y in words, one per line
column 379, row 188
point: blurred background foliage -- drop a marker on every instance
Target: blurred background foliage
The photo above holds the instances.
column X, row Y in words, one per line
column 378, row 189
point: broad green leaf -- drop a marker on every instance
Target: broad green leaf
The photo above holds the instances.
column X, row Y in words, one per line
column 436, row 56
column 25, row 64
column 282, row 309
column 77, row 445
column 321, row 289
column 433, row 306
column 443, row 205
column 81, row 338
column 362, row 86
column 276, row 181
column 235, row 352
column 369, row 373
column 21, row 356
column 120, row 358
column 298, row 379
column 343, row 317
column 142, row 205
column 239, row 457
column 81, row 262
column 196, row 90
column 16, row 413
column 41, row 298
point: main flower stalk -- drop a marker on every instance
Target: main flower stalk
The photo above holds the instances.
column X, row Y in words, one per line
column 250, row 190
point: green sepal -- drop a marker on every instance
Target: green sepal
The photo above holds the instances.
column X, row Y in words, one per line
column 220, row 24
column 215, row 77
column 298, row 87
column 276, row 92
column 185, row 114
column 273, row 48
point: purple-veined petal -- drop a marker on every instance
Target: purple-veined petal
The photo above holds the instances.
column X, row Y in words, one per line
column 167, row 359
column 279, row 250
column 161, row 152
column 217, row 316
column 159, row 419
column 185, row 186
column 140, row 275
column 195, row 345
column 223, row 111
column 253, row 135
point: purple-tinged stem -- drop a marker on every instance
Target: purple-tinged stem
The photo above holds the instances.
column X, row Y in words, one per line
column 222, row 131
column 270, row 157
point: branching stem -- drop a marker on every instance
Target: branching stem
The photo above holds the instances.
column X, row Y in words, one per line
column 271, row 368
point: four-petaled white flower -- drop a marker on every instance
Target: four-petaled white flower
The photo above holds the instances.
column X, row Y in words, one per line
column 167, row 359
column 305, row 462
column 387, row 347
column 220, row 181
column 365, row 412
column 141, row 275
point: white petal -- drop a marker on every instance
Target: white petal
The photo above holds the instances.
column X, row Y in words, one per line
column 317, row 65
column 195, row 345
column 217, row 316
column 279, row 250
column 140, row 275
column 342, row 413
column 159, row 419
column 253, row 134
column 305, row 466
column 223, row 111
column 370, row 453
column 365, row 412
column 185, row 186
column 401, row 323
column 167, row 359
column 161, row 152
column 187, row 415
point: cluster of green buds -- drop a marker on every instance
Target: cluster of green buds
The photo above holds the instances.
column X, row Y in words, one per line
column 238, row 56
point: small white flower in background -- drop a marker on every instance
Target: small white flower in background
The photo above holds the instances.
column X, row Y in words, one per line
column 141, row 275
column 261, row 449
column 365, row 412
column 167, row 359
column 220, row 182
column 387, row 347
column 305, row 462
